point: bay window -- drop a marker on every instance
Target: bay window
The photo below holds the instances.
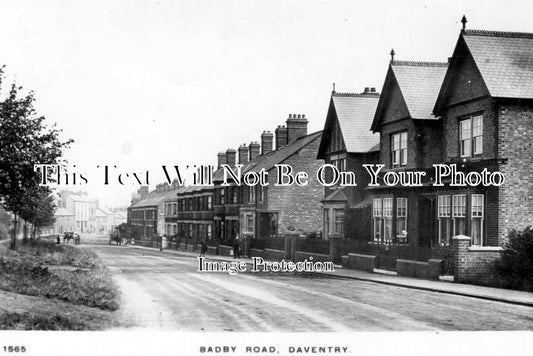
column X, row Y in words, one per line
column 459, row 214
column 477, row 219
column 444, row 217
column 377, row 218
column 338, row 216
column 326, row 223
column 401, row 219
column 387, row 219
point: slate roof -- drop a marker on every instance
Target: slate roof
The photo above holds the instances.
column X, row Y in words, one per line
column 505, row 60
column 355, row 113
column 337, row 195
column 219, row 174
column 419, row 83
column 279, row 156
column 192, row 189
column 155, row 198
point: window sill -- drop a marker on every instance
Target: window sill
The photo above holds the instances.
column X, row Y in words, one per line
column 485, row 248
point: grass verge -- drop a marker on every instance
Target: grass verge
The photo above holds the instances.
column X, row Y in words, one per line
column 55, row 272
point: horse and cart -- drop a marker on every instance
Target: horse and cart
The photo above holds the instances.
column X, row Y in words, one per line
column 71, row 237
column 115, row 236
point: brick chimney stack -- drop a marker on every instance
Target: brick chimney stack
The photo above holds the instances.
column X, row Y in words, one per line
column 143, row 192
column 231, row 156
column 267, row 142
column 254, row 149
column 296, row 127
column 281, row 137
column 221, row 156
column 243, row 154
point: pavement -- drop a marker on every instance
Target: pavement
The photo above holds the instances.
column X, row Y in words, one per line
column 441, row 286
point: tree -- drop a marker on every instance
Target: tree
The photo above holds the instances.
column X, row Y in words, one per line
column 25, row 140
column 516, row 264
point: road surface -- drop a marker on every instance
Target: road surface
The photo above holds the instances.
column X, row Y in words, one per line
column 163, row 291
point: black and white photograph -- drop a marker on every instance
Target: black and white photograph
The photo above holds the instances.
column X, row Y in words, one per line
column 209, row 177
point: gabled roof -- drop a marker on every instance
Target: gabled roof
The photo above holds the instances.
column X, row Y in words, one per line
column 193, row 189
column 337, row 195
column 419, row 84
column 504, row 60
column 354, row 113
column 279, row 156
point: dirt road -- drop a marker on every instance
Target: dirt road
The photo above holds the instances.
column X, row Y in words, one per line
column 165, row 292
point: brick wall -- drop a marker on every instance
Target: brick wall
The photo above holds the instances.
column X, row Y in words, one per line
column 362, row 262
column 385, row 142
column 317, row 257
column 299, row 207
column 473, row 263
column 225, row 250
column 273, row 255
column 516, row 145
column 484, row 106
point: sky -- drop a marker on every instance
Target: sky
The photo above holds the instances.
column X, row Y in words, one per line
column 141, row 84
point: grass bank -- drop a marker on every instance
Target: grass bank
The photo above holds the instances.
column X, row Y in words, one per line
column 59, row 273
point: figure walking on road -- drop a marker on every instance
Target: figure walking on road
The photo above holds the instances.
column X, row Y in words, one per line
column 204, row 248
column 236, row 247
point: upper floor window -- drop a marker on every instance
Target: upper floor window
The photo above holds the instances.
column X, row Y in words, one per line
column 399, row 149
column 339, row 163
column 251, row 194
column 471, row 136
column 261, row 193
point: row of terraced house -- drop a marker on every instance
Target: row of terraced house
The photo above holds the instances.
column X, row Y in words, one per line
column 474, row 110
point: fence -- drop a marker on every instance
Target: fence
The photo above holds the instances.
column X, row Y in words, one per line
column 312, row 245
column 276, row 243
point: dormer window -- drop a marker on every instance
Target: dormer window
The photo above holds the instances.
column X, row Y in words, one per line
column 399, row 149
column 471, row 136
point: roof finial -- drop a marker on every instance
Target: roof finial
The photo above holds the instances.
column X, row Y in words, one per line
column 392, row 53
column 463, row 21
column 333, row 91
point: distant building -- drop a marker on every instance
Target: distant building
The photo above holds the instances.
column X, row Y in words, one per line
column 147, row 215
column 269, row 211
column 65, row 221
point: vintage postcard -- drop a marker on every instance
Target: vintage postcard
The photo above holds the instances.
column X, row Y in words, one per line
column 266, row 177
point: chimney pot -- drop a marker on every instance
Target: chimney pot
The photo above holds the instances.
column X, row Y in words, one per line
column 243, row 154
column 296, row 127
column 231, row 156
column 221, row 156
column 254, row 149
column 281, row 136
column 267, row 142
